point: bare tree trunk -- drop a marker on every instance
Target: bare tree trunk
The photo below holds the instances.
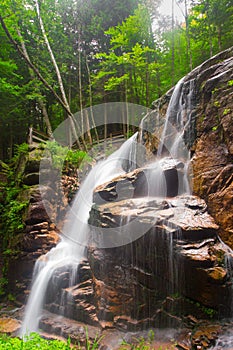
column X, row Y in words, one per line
column 60, row 83
column 91, row 101
column 88, row 127
column 59, row 78
column 42, row 79
column 80, row 83
column 219, row 38
column 173, row 45
column 45, row 117
column 40, row 101
column 189, row 53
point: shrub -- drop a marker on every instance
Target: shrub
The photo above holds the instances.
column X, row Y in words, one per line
column 33, row 342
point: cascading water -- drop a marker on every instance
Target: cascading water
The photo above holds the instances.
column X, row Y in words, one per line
column 172, row 149
column 71, row 249
column 75, row 238
column 177, row 128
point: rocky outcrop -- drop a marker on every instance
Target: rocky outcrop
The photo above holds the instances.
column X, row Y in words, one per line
column 208, row 135
column 213, row 147
column 143, row 181
column 177, row 254
column 39, row 234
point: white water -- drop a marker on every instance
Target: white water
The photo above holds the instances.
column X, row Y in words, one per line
column 71, row 249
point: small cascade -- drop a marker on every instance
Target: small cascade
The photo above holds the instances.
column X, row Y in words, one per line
column 177, row 129
column 228, row 263
column 71, row 249
column 64, row 254
column 130, row 161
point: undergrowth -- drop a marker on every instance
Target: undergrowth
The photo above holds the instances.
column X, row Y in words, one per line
column 34, row 341
column 63, row 157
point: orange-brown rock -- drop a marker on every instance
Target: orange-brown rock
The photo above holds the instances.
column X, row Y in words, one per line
column 9, row 325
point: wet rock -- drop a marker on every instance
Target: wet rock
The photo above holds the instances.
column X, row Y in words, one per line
column 41, row 227
column 9, row 325
column 205, row 336
column 67, row 328
column 209, row 136
column 39, row 212
column 39, row 193
column 179, row 253
column 142, row 182
column 186, row 215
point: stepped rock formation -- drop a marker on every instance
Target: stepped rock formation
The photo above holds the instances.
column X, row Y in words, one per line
column 178, row 267
column 180, row 257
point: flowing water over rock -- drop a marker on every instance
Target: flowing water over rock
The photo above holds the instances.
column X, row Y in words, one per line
column 137, row 250
column 71, row 249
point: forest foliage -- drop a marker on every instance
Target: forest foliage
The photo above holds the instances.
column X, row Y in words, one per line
column 58, row 57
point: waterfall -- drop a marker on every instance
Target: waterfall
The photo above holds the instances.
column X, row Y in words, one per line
column 71, row 249
column 177, row 128
column 75, row 234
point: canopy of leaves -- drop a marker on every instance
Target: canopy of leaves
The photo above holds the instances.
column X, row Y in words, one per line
column 118, row 50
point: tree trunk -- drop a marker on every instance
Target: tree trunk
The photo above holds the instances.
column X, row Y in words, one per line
column 173, row 45
column 189, row 54
column 219, row 38
column 91, row 101
column 59, row 78
column 80, row 83
column 43, row 80
column 88, row 127
column 40, row 100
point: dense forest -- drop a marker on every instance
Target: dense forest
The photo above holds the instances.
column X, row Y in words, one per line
column 58, row 57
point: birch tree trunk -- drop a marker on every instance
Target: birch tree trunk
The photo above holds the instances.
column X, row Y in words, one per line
column 42, row 79
column 40, row 100
column 59, row 78
column 80, row 82
column 90, row 99
column 189, row 53
column 173, row 44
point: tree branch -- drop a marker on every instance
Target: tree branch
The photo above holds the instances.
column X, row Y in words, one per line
column 32, row 66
